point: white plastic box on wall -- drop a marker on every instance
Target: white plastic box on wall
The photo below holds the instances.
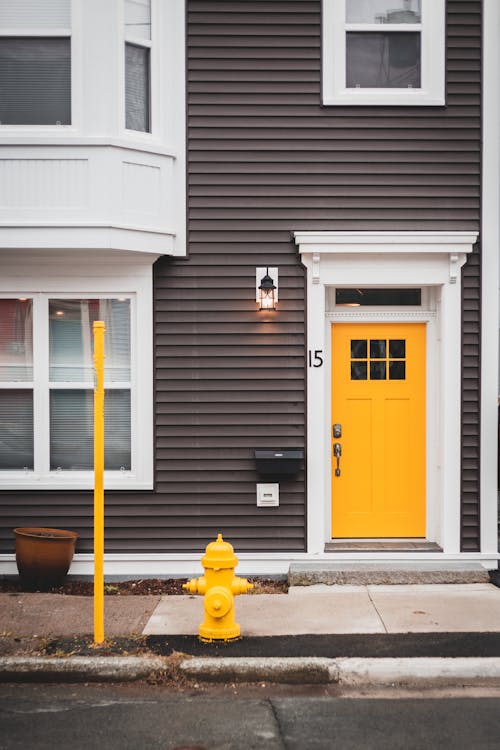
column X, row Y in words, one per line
column 268, row 495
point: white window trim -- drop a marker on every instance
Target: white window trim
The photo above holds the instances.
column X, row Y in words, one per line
column 432, row 90
column 73, row 34
column 154, row 94
column 134, row 281
column 427, row 259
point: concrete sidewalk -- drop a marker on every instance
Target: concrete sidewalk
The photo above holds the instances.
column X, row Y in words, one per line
column 323, row 609
column 382, row 615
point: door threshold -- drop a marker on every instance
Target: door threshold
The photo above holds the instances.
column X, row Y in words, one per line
column 382, row 545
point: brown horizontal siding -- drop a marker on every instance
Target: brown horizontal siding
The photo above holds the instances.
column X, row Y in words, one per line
column 265, row 158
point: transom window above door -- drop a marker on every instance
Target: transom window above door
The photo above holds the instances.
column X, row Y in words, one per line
column 383, row 52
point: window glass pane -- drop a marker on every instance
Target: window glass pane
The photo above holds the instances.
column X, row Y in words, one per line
column 377, row 348
column 72, row 430
column 137, row 88
column 359, row 370
column 35, row 14
column 383, row 11
column 397, row 348
column 359, row 348
column 16, row 429
column 377, row 371
column 35, row 81
column 138, row 19
column 71, row 339
column 16, row 340
column 383, row 60
column 397, row 370
column 360, row 297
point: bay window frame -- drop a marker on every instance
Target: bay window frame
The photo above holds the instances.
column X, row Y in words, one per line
column 334, row 66
column 73, row 34
column 139, row 291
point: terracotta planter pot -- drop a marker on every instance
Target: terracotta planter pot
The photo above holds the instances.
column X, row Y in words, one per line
column 43, row 556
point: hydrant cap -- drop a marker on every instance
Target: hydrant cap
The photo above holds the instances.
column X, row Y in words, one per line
column 219, row 554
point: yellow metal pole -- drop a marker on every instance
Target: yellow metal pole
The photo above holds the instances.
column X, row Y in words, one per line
column 99, row 329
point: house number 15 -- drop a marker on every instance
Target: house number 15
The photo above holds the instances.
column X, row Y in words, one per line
column 315, row 357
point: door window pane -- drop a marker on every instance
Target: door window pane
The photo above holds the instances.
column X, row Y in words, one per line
column 382, row 59
column 359, row 371
column 377, row 371
column 35, row 81
column 16, row 340
column 71, row 339
column 377, row 349
column 137, row 86
column 397, row 370
column 359, row 348
column 72, row 430
column 16, row 429
column 383, row 11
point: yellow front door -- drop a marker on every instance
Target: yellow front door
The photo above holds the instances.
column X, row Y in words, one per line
column 378, row 430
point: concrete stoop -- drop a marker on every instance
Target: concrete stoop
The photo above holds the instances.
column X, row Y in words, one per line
column 380, row 574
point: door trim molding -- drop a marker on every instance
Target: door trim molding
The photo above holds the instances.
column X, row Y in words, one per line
column 397, row 259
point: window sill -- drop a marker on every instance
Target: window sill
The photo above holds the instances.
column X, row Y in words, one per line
column 383, row 97
column 71, row 481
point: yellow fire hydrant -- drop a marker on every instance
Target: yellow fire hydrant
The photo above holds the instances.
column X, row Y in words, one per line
column 220, row 586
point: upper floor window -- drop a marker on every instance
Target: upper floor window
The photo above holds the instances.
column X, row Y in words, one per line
column 138, row 65
column 383, row 52
column 35, row 62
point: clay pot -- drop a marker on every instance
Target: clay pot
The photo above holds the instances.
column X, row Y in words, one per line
column 43, row 556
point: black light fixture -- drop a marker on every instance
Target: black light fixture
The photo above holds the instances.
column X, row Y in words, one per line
column 267, row 290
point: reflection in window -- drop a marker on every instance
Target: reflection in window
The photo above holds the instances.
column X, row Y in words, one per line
column 386, row 360
column 383, row 11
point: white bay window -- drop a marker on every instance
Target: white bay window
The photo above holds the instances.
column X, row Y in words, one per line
column 47, row 384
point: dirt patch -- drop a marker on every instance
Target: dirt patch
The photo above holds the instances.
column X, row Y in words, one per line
column 139, row 587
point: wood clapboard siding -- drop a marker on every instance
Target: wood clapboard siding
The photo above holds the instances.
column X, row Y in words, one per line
column 264, row 159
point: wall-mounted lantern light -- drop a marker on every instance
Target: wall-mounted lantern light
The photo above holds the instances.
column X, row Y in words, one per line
column 266, row 288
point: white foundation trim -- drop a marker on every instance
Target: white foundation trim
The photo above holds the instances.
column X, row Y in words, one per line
column 187, row 565
column 490, row 243
column 389, row 259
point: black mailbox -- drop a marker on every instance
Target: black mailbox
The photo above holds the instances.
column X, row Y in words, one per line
column 279, row 462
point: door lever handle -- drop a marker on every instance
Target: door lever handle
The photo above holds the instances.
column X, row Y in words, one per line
column 337, row 452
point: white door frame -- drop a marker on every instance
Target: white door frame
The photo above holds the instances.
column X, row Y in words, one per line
column 388, row 259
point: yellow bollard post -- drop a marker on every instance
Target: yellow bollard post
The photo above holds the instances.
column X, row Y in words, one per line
column 99, row 329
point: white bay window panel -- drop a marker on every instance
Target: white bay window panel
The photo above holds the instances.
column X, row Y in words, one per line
column 35, row 80
column 16, row 340
column 383, row 52
column 72, row 430
column 71, row 347
column 137, row 19
column 137, row 88
column 16, row 429
column 47, row 375
column 35, row 14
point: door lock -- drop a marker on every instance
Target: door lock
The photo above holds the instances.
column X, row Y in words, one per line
column 337, row 430
column 337, row 452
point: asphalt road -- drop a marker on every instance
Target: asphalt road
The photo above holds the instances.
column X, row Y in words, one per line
column 132, row 717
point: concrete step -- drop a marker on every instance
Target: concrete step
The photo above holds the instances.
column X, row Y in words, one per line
column 374, row 574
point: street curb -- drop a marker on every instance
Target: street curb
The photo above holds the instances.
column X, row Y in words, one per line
column 290, row 670
column 346, row 672
column 79, row 668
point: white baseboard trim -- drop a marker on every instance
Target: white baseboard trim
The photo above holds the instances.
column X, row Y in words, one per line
column 187, row 565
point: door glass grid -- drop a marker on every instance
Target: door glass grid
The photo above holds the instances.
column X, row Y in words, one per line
column 378, row 359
